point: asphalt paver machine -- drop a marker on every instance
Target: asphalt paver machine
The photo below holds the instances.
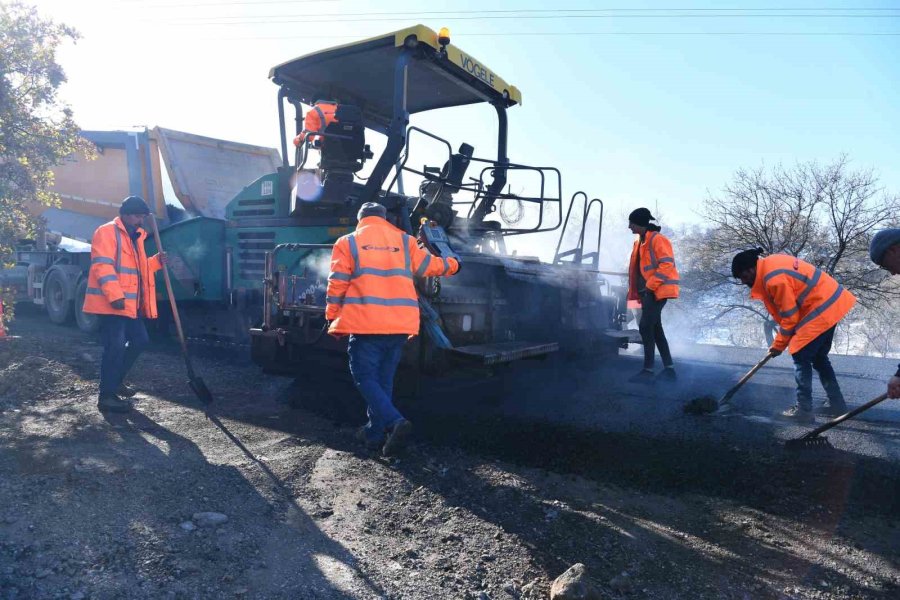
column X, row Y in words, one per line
column 502, row 306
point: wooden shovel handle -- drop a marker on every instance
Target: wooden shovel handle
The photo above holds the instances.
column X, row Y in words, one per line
column 727, row 397
column 171, row 294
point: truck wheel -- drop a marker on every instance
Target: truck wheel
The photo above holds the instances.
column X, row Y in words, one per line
column 87, row 322
column 57, row 297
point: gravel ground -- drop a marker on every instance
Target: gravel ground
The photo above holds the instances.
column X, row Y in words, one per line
column 485, row 505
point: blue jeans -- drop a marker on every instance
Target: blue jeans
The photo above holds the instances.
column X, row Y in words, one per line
column 123, row 340
column 815, row 356
column 373, row 362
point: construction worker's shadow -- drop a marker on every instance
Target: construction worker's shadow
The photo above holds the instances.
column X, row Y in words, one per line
column 616, row 527
column 290, row 554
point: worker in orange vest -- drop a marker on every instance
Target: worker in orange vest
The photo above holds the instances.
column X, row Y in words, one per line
column 885, row 252
column 372, row 298
column 122, row 290
column 652, row 280
column 320, row 116
column 807, row 304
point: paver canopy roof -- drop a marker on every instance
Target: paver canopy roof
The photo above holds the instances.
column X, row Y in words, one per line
column 362, row 74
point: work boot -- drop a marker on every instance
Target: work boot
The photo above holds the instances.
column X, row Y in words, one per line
column 832, row 410
column 369, row 444
column 396, row 438
column 645, row 376
column 800, row 415
column 112, row 403
column 126, row 391
column 668, row 373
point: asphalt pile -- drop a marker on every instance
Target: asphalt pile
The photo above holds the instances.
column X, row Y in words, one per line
column 36, row 378
column 701, row 405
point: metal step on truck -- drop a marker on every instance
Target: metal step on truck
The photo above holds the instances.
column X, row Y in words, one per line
column 201, row 173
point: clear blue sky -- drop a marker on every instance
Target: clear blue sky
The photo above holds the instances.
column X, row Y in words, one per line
column 639, row 107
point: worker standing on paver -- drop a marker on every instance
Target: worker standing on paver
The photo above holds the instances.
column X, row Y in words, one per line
column 372, row 298
column 885, row 252
column 807, row 304
column 121, row 289
column 652, row 280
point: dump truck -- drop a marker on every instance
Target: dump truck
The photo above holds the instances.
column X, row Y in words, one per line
column 261, row 272
column 205, row 173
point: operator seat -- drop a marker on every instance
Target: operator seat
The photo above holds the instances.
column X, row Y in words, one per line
column 343, row 147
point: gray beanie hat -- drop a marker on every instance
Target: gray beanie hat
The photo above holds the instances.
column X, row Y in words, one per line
column 882, row 242
column 371, row 209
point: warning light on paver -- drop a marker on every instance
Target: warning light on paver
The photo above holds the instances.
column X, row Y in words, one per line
column 444, row 36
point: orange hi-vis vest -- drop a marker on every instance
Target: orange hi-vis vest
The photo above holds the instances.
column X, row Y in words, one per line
column 803, row 300
column 320, row 116
column 657, row 265
column 371, row 288
column 115, row 266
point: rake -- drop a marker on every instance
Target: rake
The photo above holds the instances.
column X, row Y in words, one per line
column 812, row 439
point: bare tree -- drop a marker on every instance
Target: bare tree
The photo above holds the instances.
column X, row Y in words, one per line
column 824, row 214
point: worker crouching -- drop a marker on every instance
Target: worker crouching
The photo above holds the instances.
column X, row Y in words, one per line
column 807, row 304
column 372, row 298
column 122, row 290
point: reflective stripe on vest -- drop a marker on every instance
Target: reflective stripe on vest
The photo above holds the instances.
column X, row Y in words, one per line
column 666, row 280
column 107, row 278
column 339, row 276
column 374, row 300
column 118, row 247
column 653, row 262
column 354, row 253
column 360, row 271
column 102, row 260
column 810, row 285
column 816, row 312
column 420, row 272
column 407, row 261
column 99, row 292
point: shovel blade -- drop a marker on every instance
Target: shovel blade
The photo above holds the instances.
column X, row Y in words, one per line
column 202, row 392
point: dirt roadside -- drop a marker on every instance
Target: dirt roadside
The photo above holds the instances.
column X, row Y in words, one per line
column 107, row 507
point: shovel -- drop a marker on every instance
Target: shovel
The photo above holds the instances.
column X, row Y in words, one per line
column 812, row 439
column 707, row 404
column 194, row 382
column 730, row 393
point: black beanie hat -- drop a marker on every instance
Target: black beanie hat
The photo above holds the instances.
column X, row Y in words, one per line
column 134, row 205
column 744, row 260
column 641, row 216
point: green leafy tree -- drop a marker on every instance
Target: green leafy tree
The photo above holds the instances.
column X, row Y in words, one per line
column 37, row 130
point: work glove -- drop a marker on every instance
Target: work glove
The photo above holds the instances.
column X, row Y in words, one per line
column 118, row 304
column 773, row 352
